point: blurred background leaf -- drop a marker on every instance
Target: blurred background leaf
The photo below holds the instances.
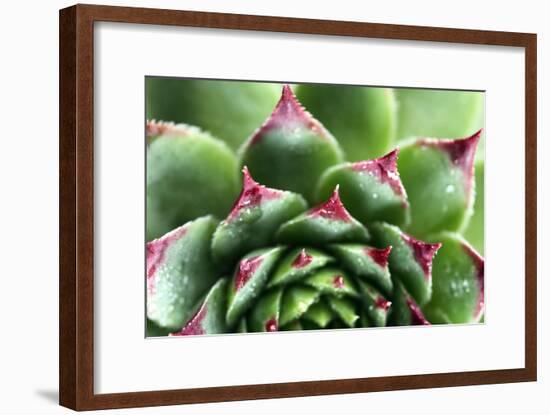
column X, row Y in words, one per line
column 230, row 110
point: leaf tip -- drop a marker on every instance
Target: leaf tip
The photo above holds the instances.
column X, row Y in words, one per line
column 423, row 252
column 333, row 208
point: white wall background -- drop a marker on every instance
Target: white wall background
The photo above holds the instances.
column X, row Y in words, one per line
column 28, row 223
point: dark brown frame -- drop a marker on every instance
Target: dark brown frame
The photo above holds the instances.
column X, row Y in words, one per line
column 76, row 178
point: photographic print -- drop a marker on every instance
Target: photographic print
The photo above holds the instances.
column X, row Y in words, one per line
column 275, row 207
column 286, row 210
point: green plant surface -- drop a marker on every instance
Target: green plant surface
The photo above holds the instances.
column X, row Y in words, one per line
column 458, row 283
column 189, row 174
column 474, row 233
column 410, row 259
column 438, row 113
column 180, row 271
column 363, row 119
column 230, row 110
column 370, row 189
column 444, row 168
column 291, row 149
column 312, row 241
column 254, row 220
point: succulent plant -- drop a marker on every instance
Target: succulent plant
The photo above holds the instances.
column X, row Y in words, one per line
column 314, row 240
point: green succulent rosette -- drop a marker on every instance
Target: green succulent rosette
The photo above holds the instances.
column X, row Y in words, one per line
column 313, row 240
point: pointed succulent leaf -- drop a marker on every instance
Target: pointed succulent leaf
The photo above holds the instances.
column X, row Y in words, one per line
column 404, row 311
column 458, row 283
column 430, row 113
column 291, row 149
column 189, row 174
column 254, row 220
column 179, row 272
column 410, row 259
column 474, row 233
column 297, row 264
column 231, row 110
column 296, row 301
column 366, row 262
column 333, row 281
column 265, row 313
column 325, row 223
column 210, row 317
column 249, row 279
column 371, row 189
column 363, row 119
column 439, row 178
column 344, row 309
column 319, row 313
column 375, row 304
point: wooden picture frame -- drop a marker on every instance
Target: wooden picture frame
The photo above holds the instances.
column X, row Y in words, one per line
column 76, row 175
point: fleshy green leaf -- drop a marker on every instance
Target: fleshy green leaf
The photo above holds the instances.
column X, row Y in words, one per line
column 458, row 283
column 210, row 317
column 326, row 223
column 371, row 190
column 231, row 110
column 296, row 301
column 333, row 281
column 189, row 174
column 366, row 262
column 319, row 313
column 254, row 220
column 363, row 119
column 179, row 272
column 291, row 149
column 344, row 309
column 430, row 113
column 404, row 310
column 376, row 306
column 265, row 313
column 410, row 259
column 297, row 264
column 474, row 233
column 249, row 280
column 439, row 178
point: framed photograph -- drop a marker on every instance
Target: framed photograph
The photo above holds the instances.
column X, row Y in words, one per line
column 257, row 207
